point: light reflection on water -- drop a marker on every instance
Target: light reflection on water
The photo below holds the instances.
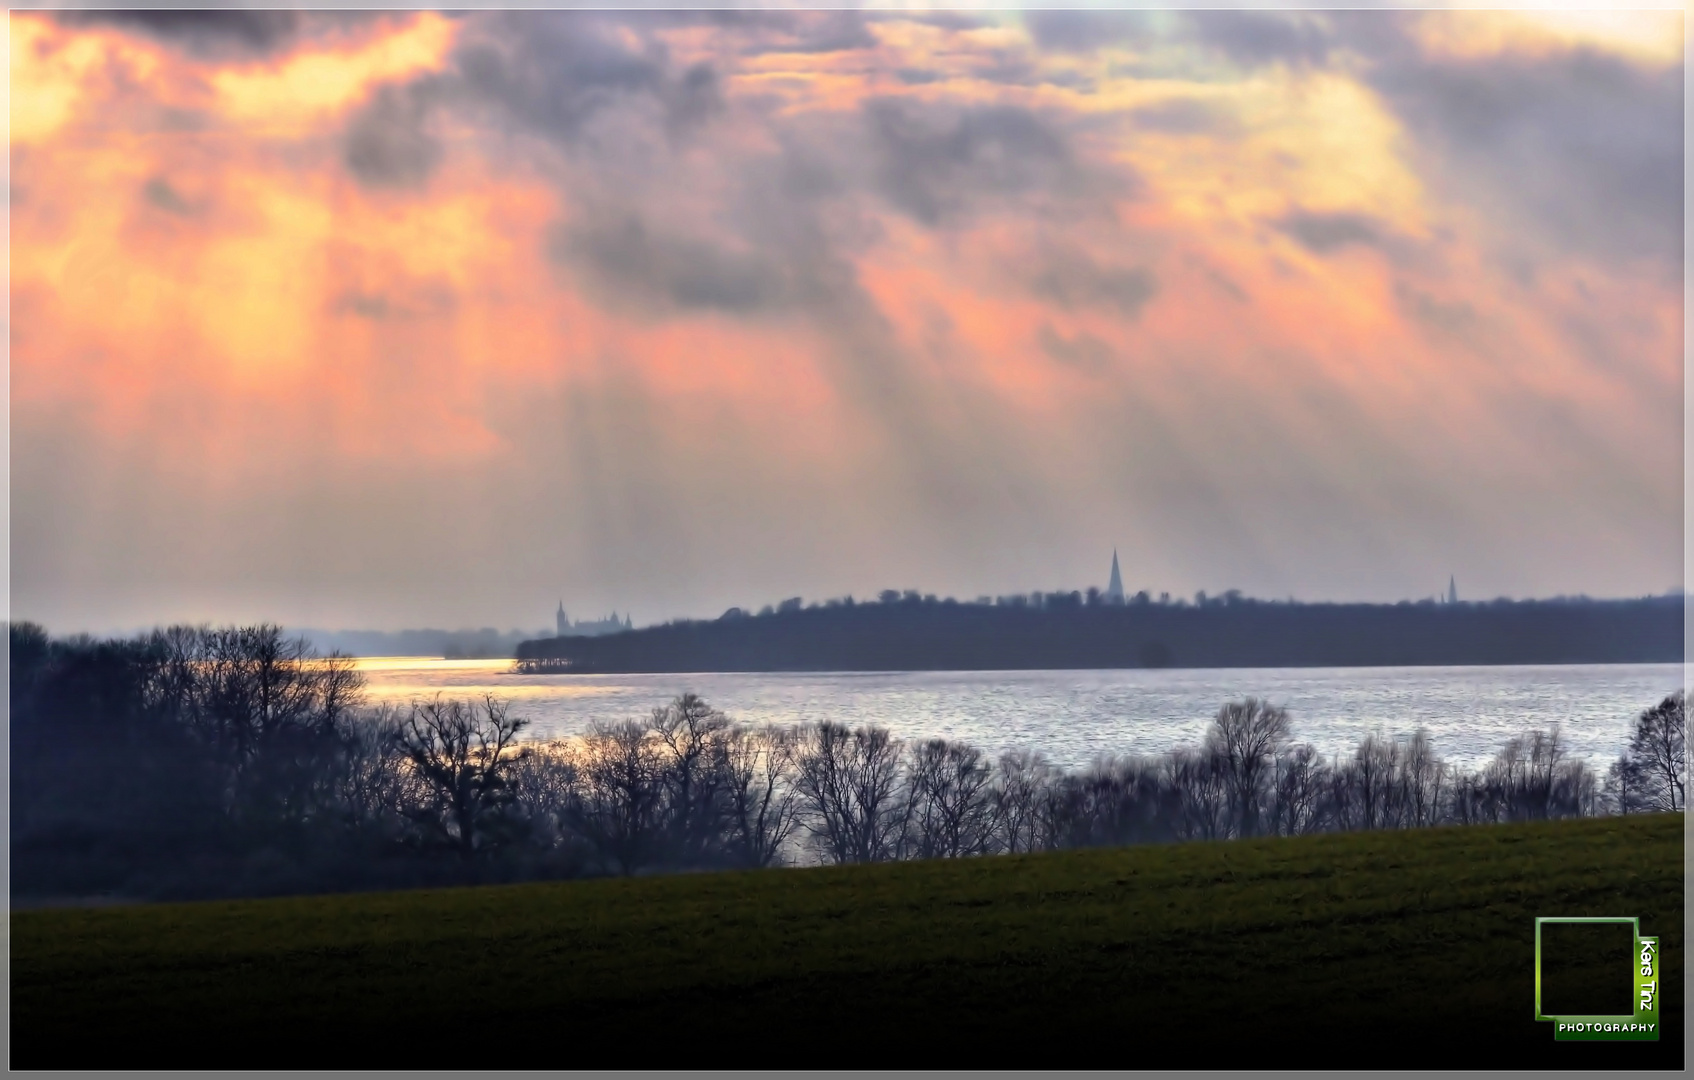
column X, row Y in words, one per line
column 1075, row 716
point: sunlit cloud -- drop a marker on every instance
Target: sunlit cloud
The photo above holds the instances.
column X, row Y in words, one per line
column 52, row 72
column 291, row 94
column 1653, row 37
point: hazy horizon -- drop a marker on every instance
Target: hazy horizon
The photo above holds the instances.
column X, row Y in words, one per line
column 375, row 321
column 511, row 627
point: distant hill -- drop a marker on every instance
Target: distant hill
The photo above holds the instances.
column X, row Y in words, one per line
column 1066, row 630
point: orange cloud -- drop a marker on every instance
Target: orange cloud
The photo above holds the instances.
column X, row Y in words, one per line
column 52, row 70
column 1650, row 36
column 292, row 95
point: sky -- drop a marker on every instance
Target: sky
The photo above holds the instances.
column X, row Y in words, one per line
column 403, row 319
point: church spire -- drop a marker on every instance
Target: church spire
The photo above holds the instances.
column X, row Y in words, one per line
column 1452, row 590
column 1114, row 588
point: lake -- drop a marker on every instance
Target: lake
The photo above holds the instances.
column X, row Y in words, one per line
column 1076, row 716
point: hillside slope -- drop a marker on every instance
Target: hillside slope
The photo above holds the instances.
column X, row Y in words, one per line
column 1362, row 950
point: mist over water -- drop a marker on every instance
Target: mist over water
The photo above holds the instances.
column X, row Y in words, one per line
column 1076, row 716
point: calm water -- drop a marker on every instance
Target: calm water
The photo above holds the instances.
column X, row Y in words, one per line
column 1075, row 716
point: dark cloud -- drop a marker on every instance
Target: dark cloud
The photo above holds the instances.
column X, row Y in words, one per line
column 1087, row 31
column 933, row 162
column 1376, row 37
column 548, row 74
column 1070, row 80
column 692, row 99
column 1582, row 149
column 917, row 77
column 1084, row 351
column 1018, row 65
column 212, row 33
column 372, row 306
column 941, row 20
column 1074, row 280
column 1322, row 233
column 551, row 72
column 160, row 194
column 774, row 236
column 1259, row 39
column 1446, row 316
column 411, row 300
column 228, row 33
column 1009, row 67
column 388, row 143
column 814, row 32
column 759, row 33
column 630, row 262
column 1227, row 285
column 172, row 118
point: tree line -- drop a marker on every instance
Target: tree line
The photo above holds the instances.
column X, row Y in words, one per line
column 196, row 761
column 913, row 632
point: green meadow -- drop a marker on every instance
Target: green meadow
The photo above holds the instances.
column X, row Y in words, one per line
column 1362, row 950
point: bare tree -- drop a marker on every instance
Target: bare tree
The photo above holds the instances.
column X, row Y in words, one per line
column 268, row 708
column 763, row 806
column 253, row 684
column 619, row 807
column 1531, row 779
column 1200, row 782
column 1425, row 777
column 1244, row 739
column 849, row 785
column 370, row 782
column 690, row 735
column 1021, row 781
column 1576, row 790
column 1299, row 783
column 1370, row 778
column 1622, row 789
column 1470, row 800
column 951, row 809
column 460, row 756
column 544, row 782
column 1656, row 761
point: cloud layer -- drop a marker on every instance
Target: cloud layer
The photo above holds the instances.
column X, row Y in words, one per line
column 406, row 319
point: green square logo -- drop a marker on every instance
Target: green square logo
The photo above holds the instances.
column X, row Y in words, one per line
column 1641, row 1025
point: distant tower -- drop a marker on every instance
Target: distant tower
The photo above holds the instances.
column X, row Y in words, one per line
column 563, row 623
column 1452, row 591
column 1114, row 588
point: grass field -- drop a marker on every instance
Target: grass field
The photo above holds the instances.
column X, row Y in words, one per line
column 1375, row 950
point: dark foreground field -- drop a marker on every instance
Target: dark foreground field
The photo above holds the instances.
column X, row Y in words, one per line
column 1372, row 950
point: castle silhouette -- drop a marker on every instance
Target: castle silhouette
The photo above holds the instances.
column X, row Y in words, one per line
column 611, row 624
